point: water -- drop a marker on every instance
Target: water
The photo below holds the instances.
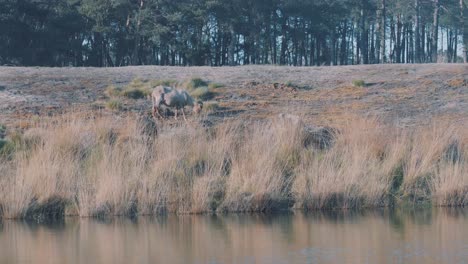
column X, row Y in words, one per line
column 421, row 236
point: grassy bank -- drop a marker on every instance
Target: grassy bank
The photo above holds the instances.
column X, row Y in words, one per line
column 100, row 166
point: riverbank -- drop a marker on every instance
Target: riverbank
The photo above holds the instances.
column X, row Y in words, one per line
column 91, row 165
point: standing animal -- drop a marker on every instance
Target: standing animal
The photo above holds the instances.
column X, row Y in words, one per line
column 174, row 98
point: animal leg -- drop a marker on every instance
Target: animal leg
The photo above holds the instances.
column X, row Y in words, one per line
column 156, row 112
column 183, row 113
column 154, row 107
column 176, row 110
column 159, row 113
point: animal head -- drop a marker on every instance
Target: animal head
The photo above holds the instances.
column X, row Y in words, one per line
column 197, row 107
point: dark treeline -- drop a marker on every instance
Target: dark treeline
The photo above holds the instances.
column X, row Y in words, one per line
column 108, row 33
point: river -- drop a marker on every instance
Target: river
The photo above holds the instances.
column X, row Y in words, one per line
column 382, row 236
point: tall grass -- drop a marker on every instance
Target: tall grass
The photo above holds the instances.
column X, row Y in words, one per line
column 100, row 166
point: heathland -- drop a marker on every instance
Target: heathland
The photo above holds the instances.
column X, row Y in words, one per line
column 79, row 141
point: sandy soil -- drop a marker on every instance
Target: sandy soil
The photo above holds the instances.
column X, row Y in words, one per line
column 406, row 95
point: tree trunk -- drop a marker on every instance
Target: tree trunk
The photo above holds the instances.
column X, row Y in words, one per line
column 382, row 32
column 464, row 30
column 422, row 48
column 364, row 43
column 392, row 40
column 232, row 46
column 398, row 45
column 435, row 31
column 416, row 33
column 343, row 49
column 378, row 33
column 284, row 40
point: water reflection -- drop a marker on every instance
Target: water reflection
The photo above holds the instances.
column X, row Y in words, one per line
column 381, row 236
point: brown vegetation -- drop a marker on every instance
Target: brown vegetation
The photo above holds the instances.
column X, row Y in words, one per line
column 97, row 166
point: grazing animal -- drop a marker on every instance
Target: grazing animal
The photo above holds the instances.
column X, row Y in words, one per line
column 174, row 98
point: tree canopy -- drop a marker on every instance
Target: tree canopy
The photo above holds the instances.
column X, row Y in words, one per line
column 106, row 33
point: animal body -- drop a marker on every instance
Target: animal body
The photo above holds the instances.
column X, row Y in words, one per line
column 173, row 98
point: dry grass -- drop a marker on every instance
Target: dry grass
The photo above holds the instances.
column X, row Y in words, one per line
column 114, row 104
column 99, row 166
column 458, row 82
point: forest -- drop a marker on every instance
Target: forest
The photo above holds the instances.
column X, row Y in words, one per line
column 111, row 33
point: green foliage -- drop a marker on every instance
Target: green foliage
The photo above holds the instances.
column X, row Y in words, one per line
column 105, row 33
column 359, row 83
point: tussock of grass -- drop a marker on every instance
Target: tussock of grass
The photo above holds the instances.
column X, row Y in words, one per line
column 113, row 91
column 116, row 166
column 7, row 148
column 359, row 83
column 458, row 82
column 114, row 105
column 210, row 106
column 215, row 85
column 135, row 93
column 154, row 83
column 202, row 93
column 195, row 83
column 14, row 142
column 2, row 131
column 136, row 89
column 201, row 89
